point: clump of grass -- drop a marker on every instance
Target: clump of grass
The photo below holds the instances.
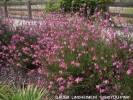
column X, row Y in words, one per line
column 28, row 93
column 25, row 93
column 5, row 91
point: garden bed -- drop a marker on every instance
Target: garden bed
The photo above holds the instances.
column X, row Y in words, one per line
column 82, row 56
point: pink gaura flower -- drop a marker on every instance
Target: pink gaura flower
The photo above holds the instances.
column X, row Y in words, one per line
column 92, row 48
column 40, row 70
column 77, row 64
column 94, row 57
column 73, row 62
column 71, row 77
column 18, row 64
column 98, row 86
column 105, row 68
column 25, row 49
column 83, row 72
column 69, row 83
column 102, row 90
column 117, row 64
column 61, row 88
column 60, row 79
column 86, row 38
column 106, row 81
column 96, row 66
column 84, row 44
column 79, row 55
column 50, row 86
column 114, row 55
column 30, row 72
column 116, row 87
column 22, row 38
column 129, row 72
column 60, row 72
column 51, row 82
column 79, row 79
column 63, row 65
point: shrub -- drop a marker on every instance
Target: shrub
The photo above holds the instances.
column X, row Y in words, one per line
column 52, row 7
column 19, row 48
column 5, row 36
column 80, row 56
column 86, row 56
column 77, row 4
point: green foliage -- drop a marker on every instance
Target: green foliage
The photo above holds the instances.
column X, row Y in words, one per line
column 51, row 7
column 5, row 91
column 24, row 93
column 77, row 4
column 29, row 93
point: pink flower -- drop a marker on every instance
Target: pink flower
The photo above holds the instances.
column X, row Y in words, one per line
column 60, row 79
column 22, row 38
column 92, row 48
column 105, row 68
column 126, row 30
column 25, row 49
column 53, row 92
column 69, row 83
column 118, row 64
column 61, row 88
column 85, row 4
column 40, row 70
column 60, row 72
column 83, row 72
column 116, row 87
column 78, row 80
column 77, row 64
column 73, row 62
column 51, row 82
column 18, row 64
column 106, row 81
column 98, row 87
column 129, row 72
column 96, row 66
column 50, row 86
column 79, row 55
column 84, row 44
column 71, row 77
column 86, row 38
column 94, row 57
column 63, row 65
column 30, row 72
column 102, row 90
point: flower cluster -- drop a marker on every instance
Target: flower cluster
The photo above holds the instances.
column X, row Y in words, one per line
column 77, row 55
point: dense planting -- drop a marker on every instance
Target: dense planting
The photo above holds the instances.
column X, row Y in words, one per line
column 76, row 5
column 77, row 56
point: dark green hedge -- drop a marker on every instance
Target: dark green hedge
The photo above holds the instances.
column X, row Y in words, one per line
column 77, row 4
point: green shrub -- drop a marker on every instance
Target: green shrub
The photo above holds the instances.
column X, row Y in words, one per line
column 68, row 5
column 51, row 7
column 77, row 4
